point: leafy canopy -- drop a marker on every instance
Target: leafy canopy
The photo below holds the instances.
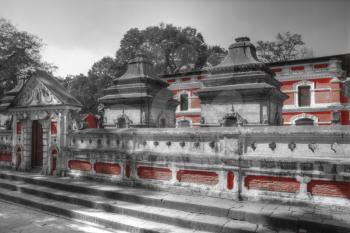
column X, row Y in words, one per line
column 287, row 46
column 170, row 48
column 19, row 55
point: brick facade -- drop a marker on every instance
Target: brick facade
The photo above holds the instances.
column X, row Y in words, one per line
column 326, row 78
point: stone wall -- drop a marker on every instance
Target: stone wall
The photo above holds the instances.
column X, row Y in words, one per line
column 298, row 164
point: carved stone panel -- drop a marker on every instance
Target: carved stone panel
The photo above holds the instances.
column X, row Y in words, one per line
column 36, row 94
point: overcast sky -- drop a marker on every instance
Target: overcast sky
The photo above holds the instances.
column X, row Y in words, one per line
column 79, row 32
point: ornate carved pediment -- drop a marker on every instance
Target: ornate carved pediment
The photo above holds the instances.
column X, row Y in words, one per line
column 232, row 119
column 36, row 93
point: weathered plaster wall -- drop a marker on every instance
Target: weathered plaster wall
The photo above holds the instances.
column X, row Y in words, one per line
column 304, row 164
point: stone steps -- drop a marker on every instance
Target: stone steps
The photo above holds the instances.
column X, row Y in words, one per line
column 111, row 220
column 120, row 215
column 174, row 217
column 183, row 211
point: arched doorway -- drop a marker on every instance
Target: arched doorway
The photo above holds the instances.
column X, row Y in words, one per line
column 37, row 144
column 304, row 121
column 121, row 122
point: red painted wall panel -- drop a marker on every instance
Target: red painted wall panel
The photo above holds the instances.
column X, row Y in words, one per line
column 107, row 168
column 197, row 177
column 186, row 79
column 196, row 103
column 230, row 180
column 276, row 70
column 18, row 128
column 323, row 97
column 290, row 100
column 329, row 188
column 297, row 68
column 79, row 165
column 287, row 85
column 127, row 170
column 344, row 117
column 53, row 128
column 271, row 183
column 92, row 121
column 5, row 157
column 321, row 66
column 154, row 173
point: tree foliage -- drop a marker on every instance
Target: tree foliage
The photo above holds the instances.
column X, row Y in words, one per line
column 287, row 46
column 170, row 48
column 19, row 55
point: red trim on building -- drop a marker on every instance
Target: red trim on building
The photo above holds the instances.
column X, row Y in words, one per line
column 91, row 120
column 344, row 118
column 321, row 66
column 329, row 188
column 53, row 128
column 7, row 157
column 154, row 173
column 197, row 177
column 127, row 170
column 79, row 165
column 230, row 180
column 276, row 70
column 186, row 79
column 107, row 168
column 297, row 68
column 18, row 128
column 272, row 183
column 171, row 80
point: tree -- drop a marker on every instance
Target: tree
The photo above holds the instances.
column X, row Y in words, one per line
column 169, row 47
column 215, row 55
column 287, row 46
column 83, row 89
column 19, row 55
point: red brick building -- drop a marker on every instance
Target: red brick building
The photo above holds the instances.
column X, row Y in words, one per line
column 318, row 91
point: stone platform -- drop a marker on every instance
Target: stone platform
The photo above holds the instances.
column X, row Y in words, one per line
column 139, row 210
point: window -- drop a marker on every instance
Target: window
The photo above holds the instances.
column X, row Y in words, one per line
column 184, row 124
column 162, row 123
column 304, row 121
column 304, row 96
column 183, row 102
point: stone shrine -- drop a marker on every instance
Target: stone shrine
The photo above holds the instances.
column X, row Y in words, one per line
column 139, row 99
column 41, row 111
column 241, row 90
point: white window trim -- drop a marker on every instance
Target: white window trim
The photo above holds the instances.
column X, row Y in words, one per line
column 178, row 97
column 302, row 116
column 183, row 119
column 312, row 93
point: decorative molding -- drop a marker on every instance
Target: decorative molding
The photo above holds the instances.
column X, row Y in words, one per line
column 272, row 146
column 36, row 93
column 302, row 116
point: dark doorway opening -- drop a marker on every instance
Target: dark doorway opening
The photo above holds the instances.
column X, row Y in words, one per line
column 37, row 145
column 121, row 122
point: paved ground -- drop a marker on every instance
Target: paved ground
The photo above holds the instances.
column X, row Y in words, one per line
column 20, row 219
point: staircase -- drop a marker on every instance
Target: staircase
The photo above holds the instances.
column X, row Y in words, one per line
column 134, row 210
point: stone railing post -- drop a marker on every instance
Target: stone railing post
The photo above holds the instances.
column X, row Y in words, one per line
column 303, row 194
column 237, row 182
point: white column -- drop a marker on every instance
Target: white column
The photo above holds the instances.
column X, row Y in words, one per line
column 303, row 194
